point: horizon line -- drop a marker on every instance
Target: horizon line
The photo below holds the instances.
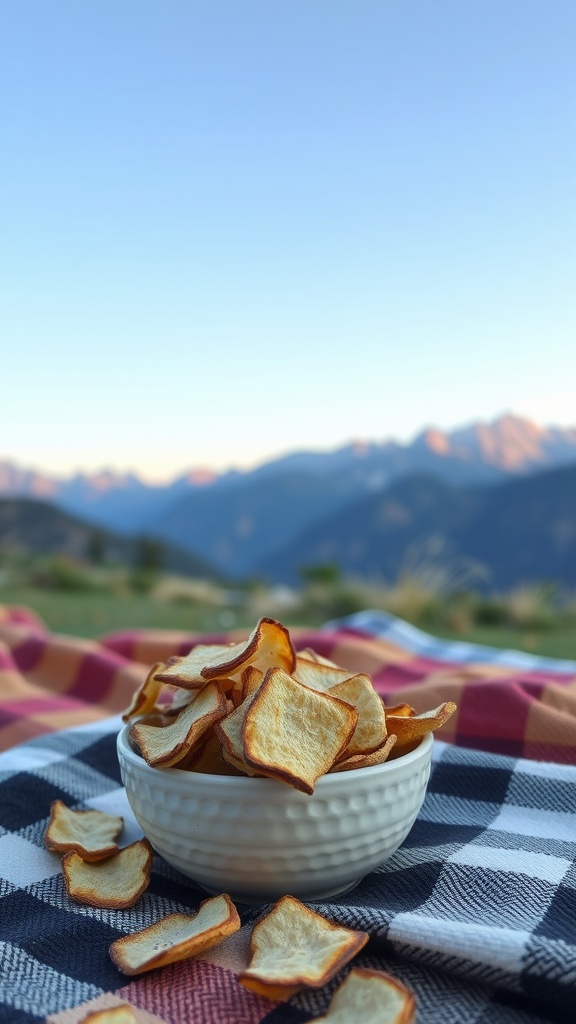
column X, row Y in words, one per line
column 211, row 472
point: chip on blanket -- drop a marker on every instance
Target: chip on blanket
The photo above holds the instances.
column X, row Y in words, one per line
column 176, row 937
column 115, row 1015
column 91, row 834
column 293, row 947
column 113, row 884
column 370, row 997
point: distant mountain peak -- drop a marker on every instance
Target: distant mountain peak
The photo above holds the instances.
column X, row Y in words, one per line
column 514, row 443
column 509, row 443
column 106, row 480
column 16, row 480
column 200, row 477
column 436, row 440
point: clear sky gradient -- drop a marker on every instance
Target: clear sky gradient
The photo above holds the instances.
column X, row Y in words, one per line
column 233, row 228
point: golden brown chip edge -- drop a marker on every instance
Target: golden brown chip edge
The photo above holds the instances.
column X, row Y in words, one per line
column 409, row 1008
column 284, row 990
column 183, row 750
column 90, row 856
column 250, row 651
column 224, row 929
column 282, row 773
column 104, row 904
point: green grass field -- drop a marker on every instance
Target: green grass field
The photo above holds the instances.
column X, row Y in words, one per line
column 552, row 643
column 93, row 614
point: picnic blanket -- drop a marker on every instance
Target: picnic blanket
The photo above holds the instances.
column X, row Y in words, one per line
column 508, row 702
column 476, row 912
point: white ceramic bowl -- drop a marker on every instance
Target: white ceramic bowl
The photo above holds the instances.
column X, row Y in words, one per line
column 259, row 839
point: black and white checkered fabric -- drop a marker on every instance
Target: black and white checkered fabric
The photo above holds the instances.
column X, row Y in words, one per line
column 476, row 912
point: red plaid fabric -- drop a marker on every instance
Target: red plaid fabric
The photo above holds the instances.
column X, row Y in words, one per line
column 50, row 682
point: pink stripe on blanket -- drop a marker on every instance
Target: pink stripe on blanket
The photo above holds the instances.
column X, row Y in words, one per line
column 40, row 706
column 395, row 677
column 28, row 653
column 96, row 675
column 16, row 615
column 125, row 642
column 6, row 660
column 196, row 992
column 495, row 714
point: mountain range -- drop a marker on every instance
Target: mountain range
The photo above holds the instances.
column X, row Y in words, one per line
column 369, row 506
column 491, row 537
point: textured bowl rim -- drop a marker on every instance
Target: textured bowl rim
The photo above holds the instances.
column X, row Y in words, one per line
column 178, row 775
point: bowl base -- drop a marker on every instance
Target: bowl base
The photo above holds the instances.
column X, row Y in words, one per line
column 253, row 900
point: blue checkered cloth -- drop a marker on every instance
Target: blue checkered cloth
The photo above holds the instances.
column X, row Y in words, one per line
column 423, row 645
column 476, row 912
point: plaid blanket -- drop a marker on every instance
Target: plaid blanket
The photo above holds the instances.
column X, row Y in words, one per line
column 508, row 702
column 476, row 912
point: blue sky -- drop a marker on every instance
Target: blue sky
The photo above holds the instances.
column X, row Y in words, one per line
column 233, row 228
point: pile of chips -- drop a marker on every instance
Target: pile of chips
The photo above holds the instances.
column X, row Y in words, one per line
column 260, row 708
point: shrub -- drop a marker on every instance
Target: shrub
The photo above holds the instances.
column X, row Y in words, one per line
column 62, row 573
column 490, row 612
